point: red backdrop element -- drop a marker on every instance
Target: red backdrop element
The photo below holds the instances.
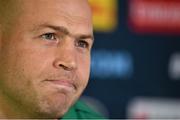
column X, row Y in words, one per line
column 155, row 16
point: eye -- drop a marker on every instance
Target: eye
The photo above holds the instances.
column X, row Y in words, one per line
column 49, row 36
column 83, row 44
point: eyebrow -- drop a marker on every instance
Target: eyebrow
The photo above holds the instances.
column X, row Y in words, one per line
column 64, row 30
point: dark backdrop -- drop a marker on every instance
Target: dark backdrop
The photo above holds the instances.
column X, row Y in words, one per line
column 147, row 70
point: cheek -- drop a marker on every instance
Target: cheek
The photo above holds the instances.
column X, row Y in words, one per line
column 15, row 68
column 22, row 68
column 33, row 60
column 84, row 70
column 14, row 75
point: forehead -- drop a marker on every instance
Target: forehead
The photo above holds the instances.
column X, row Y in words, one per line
column 70, row 7
column 73, row 13
column 53, row 3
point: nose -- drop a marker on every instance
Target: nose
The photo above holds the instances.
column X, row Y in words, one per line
column 66, row 57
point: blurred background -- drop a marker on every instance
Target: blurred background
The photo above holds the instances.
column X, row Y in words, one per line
column 135, row 70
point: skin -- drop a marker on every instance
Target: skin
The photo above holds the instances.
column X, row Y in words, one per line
column 44, row 57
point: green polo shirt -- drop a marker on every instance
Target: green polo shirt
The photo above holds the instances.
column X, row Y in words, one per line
column 81, row 111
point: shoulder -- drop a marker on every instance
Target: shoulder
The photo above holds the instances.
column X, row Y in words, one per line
column 81, row 111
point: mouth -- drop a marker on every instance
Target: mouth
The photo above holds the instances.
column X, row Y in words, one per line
column 66, row 85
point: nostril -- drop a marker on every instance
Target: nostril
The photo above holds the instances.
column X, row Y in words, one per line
column 64, row 67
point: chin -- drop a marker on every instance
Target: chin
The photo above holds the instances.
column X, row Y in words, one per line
column 51, row 114
column 55, row 104
column 54, row 108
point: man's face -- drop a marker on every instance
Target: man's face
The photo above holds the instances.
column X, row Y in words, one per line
column 45, row 59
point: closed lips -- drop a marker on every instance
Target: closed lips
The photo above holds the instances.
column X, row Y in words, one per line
column 66, row 83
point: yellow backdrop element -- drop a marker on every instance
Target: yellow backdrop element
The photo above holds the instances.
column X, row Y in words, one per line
column 104, row 15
